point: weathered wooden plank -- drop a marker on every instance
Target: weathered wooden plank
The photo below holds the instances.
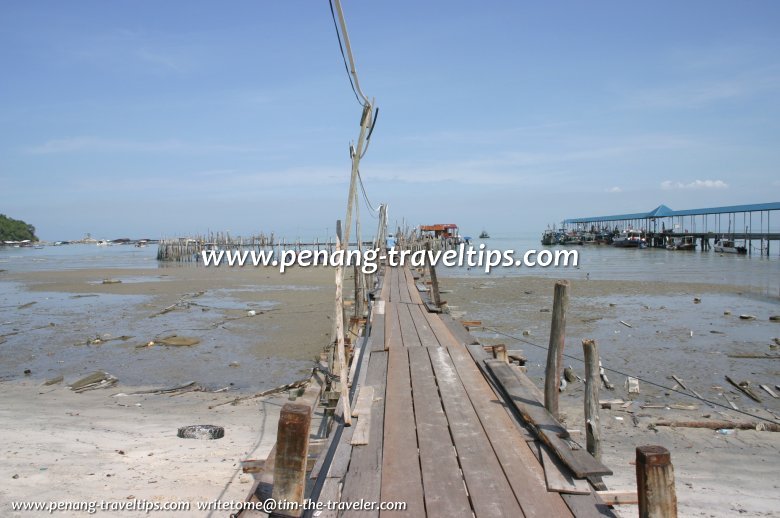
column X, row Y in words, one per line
column 491, row 494
column 424, row 331
column 364, row 401
column 414, row 293
column 376, row 341
column 442, row 333
column 395, row 293
column 558, row 477
column 458, row 331
column 403, row 287
column 362, row 429
column 364, row 476
column 408, row 331
column 588, row 506
column 522, row 469
column 445, row 493
column 392, row 327
column 619, row 497
column 401, row 478
column 547, row 428
column 331, row 492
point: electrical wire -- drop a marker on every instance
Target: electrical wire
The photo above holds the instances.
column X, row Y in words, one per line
column 365, row 197
column 671, row 389
column 343, row 56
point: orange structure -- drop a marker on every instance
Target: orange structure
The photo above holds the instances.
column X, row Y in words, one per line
column 445, row 230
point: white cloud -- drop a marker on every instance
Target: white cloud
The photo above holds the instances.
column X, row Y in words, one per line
column 696, row 184
column 615, row 189
column 111, row 145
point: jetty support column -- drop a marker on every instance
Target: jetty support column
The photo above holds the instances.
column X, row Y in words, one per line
column 292, row 451
column 655, row 483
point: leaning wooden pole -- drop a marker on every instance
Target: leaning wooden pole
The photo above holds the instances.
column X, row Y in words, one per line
column 340, row 352
column 655, row 483
column 552, row 372
column 592, row 381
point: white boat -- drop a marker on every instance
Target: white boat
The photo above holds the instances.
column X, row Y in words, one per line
column 728, row 246
column 103, row 242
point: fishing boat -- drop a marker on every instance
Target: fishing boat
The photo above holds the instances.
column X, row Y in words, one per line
column 484, row 235
column 550, row 237
column 629, row 239
column 681, row 243
column 728, row 246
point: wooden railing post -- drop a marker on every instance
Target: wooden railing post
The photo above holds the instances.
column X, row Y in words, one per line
column 592, row 381
column 555, row 351
column 655, row 483
column 292, row 451
column 434, row 279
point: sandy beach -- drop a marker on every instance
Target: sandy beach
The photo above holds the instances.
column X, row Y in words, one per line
column 717, row 475
column 108, row 444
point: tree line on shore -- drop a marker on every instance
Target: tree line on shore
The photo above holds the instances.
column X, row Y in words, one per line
column 15, row 230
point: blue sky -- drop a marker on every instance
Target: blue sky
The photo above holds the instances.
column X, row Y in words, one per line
column 130, row 119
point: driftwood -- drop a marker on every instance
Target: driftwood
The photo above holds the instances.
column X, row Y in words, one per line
column 764, row 356
column 296, row 384
column 718, row 425
column 98, row 379
column 744, row 387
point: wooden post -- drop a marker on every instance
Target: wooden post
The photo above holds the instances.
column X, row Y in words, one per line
column 552, row 372
column 655, row 482
column 292, row 451
column 499, row 353
column 434, row 279
column 340, row 353
column 592, row 382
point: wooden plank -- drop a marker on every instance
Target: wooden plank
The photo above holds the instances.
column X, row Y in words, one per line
column 547, row 428
column 395, row 294
column 414, row 293
column 444, row 489
column 427, row 337
column 408, row 331
column 619, row 497
column 376, row 341
column 458, row 331
column 588, row 506
column 491, row 494
column 331, row 492
column 442, row 333
column 363, row 479
column 392, row 327
column 364, row 401
column 403, row 287
column 558, row 477
column 522, row 469
column 362, row 428
column 401, row 478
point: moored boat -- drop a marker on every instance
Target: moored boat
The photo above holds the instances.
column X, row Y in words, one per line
column 728, row 246
column 681, row 243
column 629, row 239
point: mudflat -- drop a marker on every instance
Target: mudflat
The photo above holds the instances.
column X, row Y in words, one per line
column 653, row 330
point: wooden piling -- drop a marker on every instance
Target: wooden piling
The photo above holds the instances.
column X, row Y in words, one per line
column 592, row 382
column 655, row 482
column 434, row 278
column 292, row 451
column 555, row 351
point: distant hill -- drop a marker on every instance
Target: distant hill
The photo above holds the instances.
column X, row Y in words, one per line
column 15, row 230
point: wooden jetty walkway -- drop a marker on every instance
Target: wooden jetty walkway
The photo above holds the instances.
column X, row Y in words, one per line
column 432, row 430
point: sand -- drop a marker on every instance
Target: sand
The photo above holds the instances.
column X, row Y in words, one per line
column 716, row 475
column 61, row 446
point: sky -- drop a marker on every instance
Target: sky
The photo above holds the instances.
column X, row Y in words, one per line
column 151, row 119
